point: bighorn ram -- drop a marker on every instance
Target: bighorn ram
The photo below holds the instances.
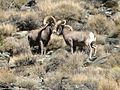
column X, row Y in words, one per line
column 41, row 36
column 76, row 38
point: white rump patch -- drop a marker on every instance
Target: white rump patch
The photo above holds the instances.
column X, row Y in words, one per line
column 92, row 37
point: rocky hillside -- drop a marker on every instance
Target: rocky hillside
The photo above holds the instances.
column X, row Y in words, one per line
column 21, row 69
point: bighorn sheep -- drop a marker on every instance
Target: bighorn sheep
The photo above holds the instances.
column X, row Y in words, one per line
column 41, row 36
column 76, row 38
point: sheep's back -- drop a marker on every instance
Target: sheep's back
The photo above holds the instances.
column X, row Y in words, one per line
column 33, row 34
column 77, row 36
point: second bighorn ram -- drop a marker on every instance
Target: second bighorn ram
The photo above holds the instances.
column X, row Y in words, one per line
column 76, row 38
column 41, row 36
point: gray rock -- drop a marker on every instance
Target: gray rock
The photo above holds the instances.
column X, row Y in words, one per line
column 21, row 34
column 4, row 55
column 4, row 59
column 107, row 11
column 113, row 41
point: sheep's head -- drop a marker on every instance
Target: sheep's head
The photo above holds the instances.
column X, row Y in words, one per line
column 59, row 27
column 50, row 20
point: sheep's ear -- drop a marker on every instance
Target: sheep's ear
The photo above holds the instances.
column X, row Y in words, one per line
column 61, row 29
column 64, row 22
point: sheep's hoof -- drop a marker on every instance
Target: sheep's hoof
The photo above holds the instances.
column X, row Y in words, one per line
column 93, row 58
column 86, row 64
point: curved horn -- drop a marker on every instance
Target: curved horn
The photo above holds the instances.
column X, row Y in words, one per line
column 60, row 22
column 70, row 27
column 48, row 19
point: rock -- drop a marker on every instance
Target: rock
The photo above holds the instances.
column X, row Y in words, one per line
column 42, row 59
column 111, row 3
column 30, row 5
column 25, row 8
column 107, row 11
column 113, row 41
column 4, row 55
column 66, row 83
column 4, row 59
column 20, row 34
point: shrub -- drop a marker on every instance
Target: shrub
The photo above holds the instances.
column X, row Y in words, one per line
column 105, row 84
column 5, row 4
column 12, row 45
column 22, row 60
column 63, row 10
column 115, row 74
column 26, row 82
column 73, row 63
column 101, row 25
column 29, row 23
column 7, row 77
column 79, row 78
column 7, row 29
column 116, row 20
column 56, row 42
column 53, row 78
column 101, row 39
column 111, row 61
column 100, row 50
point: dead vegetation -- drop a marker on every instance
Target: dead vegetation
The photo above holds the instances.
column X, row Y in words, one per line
column 59, row 69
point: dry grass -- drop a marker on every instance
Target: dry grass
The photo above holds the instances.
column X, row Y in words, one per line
column 63, row 10
column 26, row 82
column 116, row 20
column 113, row 60
column 79, row 78
column 56, row 42
column 101, row 25
column 73, row 63
column 53, row 78
column 7, row 29
column 96, row 76
column 106, row 84
column 101, row 50
column 7, row 77
column 119, row 5
column 101, row 39
column 12, row 44
column 60, row 9
column 35, row 71
column 11, row 4
column 115, row 74
column 22, row 59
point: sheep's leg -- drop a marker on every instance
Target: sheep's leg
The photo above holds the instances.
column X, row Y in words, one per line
column 71, row 46
column 94, row 47
column 74, row 48
column 90, row 54
column 42, row 47
column 44, row 50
